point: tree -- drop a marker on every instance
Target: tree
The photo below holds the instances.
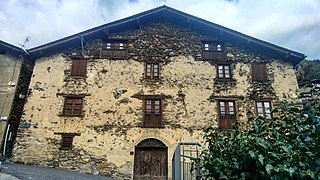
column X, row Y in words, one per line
column 286, row 147
column 308, row 70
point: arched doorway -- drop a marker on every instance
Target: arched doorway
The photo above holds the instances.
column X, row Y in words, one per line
column 150, row 160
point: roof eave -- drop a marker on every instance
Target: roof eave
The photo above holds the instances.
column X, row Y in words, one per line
column 286, row 54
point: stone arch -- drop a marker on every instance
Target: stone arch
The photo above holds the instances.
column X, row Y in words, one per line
column 151, row 142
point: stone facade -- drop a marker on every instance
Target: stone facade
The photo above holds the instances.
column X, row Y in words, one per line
column 113, row 90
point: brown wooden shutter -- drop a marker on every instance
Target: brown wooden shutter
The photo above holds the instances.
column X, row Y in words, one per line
column 152, row 113
column 79, row 67
column 115, row 51
column 66, row 142
column 212, row 52
column 227, row 114
column 73, row 106
column 259, row 72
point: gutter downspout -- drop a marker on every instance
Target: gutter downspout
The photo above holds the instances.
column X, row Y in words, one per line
column 5, row 143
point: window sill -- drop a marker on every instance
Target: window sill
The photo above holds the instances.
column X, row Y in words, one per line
column 77, row 76
column 221, row 130
column 154, row 79
column 160, row 127
column 224, row 80
column 260, row 81
column 64, row 115
column 114, row 58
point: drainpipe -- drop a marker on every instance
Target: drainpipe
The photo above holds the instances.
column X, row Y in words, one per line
column 5, row 143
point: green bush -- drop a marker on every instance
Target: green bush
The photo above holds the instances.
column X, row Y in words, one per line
column 286, row 147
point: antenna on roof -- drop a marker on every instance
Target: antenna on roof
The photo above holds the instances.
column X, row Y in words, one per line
column 26, row 40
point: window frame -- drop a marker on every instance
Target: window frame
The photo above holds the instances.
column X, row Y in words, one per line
column 148, row 122
column 79, row 72
column 66, row 145
column 213, row 46
column 224, row 71
column 232, row 117
column 264, row 110
column 152, row 65
column 114, row 49
column 259, row 72
column 73, row 108
column 213, row 50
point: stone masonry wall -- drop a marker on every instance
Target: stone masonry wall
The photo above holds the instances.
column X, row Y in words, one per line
column 113, row 109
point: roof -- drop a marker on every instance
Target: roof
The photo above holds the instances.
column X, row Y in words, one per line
column 11, row 49
column 314, row 81
column 175, row 16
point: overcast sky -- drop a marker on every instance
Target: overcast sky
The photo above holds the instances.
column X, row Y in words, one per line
column 293, row 24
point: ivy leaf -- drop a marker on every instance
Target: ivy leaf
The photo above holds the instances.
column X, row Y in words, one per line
column 262, row 143
column 291, row 171
column 252, row 154
column 261, row 159
column 269, row 167
column 222, row 176
column 310, row 173
column 285, row 149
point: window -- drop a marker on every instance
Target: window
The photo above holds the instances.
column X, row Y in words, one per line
column 227, row 114
column 108, row 45
column 152, row 113
column 259, row 72
column 219, row 47
column 66, row 140
column 264, row 109
column 73, row 106
column 224, row 71
column 211, row 46
column 213, row 51
column 152, row 71
column 79, row 67
column 114, row 48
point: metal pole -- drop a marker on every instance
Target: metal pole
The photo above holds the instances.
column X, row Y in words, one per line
column 183, row 163
column 5, row 143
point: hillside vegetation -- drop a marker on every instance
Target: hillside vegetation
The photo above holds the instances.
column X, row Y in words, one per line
column 308, row 70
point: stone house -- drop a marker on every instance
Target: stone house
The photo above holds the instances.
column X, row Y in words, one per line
column 15, row 71
column 117, row 99
column 308, row 90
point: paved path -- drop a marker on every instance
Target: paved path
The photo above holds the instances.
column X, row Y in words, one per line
column 7, row 177
column 13, row 171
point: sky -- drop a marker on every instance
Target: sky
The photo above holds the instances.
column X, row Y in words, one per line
column 293, row 24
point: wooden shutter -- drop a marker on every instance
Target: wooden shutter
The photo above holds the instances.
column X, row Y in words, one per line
column 72, row 106
column 259, row 72
column 115, row 49
column 227, row 114
column 152, row 113
column 213, row 51
column 79, row 67
column 66, row 142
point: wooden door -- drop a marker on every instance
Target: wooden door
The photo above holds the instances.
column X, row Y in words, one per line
column 150, row 162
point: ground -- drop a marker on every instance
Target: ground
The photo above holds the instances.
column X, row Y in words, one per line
column 38, row 173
